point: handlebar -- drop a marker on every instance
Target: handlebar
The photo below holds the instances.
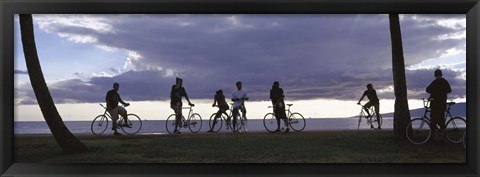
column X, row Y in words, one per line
column 104, row 107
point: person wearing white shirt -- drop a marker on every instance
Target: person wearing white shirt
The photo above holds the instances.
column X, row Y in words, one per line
column 238, row 97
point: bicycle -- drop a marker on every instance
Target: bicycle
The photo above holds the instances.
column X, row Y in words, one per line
column 241, row 121
column 100, row 123
column 295, row 120
column 219, row 123
column 419, row 130
column 194, row 121
column 373, row 116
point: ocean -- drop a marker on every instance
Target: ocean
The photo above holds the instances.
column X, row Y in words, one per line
column 158, row 126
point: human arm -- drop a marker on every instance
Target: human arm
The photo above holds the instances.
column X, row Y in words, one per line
column 186, row 97
column 214, row 101
column 361, row 99
column 121, row 101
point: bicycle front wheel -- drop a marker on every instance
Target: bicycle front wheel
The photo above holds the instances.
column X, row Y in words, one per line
column 454, row 129
column 170, row 124
column 133, row 124
column 418, row 131
column 241, row 125
column 270, row 122
column 217, row 125
column 99, row 124
column 297, row 122
column 195, row 123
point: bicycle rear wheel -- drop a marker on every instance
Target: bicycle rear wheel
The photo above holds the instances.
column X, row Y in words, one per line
column 297, row 122
column 134, row 122
column 373, row 120
column 270, row 122
column 99, row 124
column 454, row 129
column 195, row 123
column 418, row 131
column 218, row 124
column 170, row 124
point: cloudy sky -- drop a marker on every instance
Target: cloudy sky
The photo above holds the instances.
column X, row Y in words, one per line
column 314, row 57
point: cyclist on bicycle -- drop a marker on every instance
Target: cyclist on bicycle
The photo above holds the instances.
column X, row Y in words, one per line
column 176, row 102
column 112, row 98
column 238, row 97
column 222, row 107
column 438, row 89
column 277, row 96
column 372, row 101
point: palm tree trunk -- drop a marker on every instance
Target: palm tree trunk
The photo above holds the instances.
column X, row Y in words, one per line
column 64, row 138
column 401, row 116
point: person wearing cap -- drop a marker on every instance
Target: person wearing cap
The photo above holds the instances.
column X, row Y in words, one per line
column 176, row 101
column 372, row 101
column 438, row 90
column 222, row 107
column 112, row 98
column 277, row 97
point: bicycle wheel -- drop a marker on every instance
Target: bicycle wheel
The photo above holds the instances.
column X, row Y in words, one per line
column 270, row 122
column 373, row 119
column 170, row 124
column 241, row 125
column 195, row 123
column 418, row 131
column 297, row 122
column 99, row 124
column 454, row 129
column 134, row 122
column 218, row 124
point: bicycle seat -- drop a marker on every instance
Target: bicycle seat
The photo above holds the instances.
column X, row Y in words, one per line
column 289, row 104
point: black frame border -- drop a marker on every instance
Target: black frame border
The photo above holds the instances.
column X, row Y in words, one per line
column 10, row 7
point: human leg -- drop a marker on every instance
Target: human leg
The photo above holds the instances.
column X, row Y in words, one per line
column 277, row 116
column 235, row 114
column 114, row 114
column 377, row 113
column 178, row 116
column 366, row 107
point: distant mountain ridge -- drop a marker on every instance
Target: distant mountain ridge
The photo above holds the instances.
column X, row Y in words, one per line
column 458, row 109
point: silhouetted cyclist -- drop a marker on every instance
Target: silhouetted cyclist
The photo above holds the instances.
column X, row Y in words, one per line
column 176, row 102
column 372, row 101
column 277, row 97
column 238, row 97
column 222, row 107
column 438, row 89
column 112, row 98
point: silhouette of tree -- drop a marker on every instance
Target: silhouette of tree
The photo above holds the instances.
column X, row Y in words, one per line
column 64, row 138
column 401, row 116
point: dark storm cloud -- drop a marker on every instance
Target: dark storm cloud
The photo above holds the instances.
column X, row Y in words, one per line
column 313, row 56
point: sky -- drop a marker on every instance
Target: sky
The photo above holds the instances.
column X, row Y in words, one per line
column 323, row 62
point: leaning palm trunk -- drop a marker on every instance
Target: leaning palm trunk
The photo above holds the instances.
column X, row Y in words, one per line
column 401, row 116
column 63, row 136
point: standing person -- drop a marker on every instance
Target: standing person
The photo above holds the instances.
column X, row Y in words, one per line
column 277, row 96
column 438, row 89
column 238, row 97
column 112, row 98
column 222, row 107
column 372, row 101
column 176, row 101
